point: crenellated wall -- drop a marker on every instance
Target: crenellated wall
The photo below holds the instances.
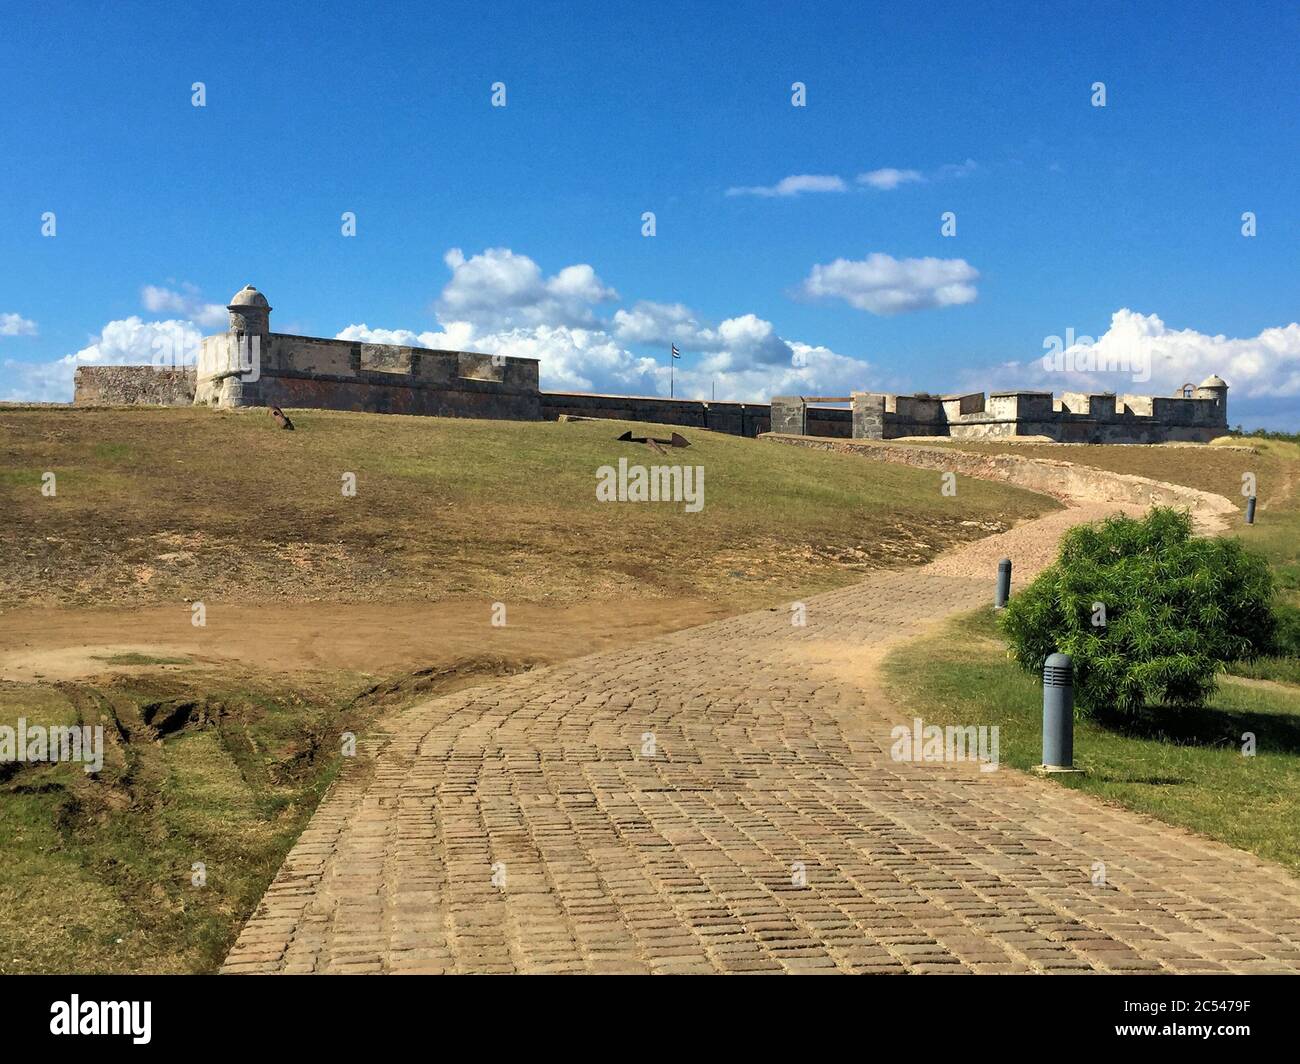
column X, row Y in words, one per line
column 309, row 371
column 1074, row 418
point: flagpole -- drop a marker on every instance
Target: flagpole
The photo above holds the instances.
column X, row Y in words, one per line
column 671, row 366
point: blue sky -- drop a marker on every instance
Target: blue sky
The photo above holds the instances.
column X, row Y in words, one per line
column 1122, row 222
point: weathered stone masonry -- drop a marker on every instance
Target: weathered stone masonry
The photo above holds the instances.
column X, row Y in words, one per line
column 135, row 385
column 252, row 366
column 249, row 365
column 1197, row 415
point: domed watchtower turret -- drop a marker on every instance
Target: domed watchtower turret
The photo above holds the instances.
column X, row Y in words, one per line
column 250, row 313
column 1216, row 388
column 249, row 342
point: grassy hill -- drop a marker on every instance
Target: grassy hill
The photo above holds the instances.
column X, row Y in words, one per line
column 220, row 741
column 163, row 504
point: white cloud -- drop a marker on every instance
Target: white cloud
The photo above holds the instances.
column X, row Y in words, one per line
column 742, row 355
column 746, row 338
column 501, row 290
column 793, row 186
column 128, row 341
column 958, row 169
column 500, row 302
column 812, row 370
column 661, row 324
column 1262, row 367
column 884, row 285
column 454, row 336
column 16, row 325
column 187, row 304
column 889, row 178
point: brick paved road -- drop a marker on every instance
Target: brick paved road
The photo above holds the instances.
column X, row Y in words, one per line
column 771, row 748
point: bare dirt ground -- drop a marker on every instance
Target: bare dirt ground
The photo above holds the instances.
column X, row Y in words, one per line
column 365, row 638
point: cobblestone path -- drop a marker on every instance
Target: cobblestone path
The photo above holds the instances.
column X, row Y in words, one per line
column 770, row 755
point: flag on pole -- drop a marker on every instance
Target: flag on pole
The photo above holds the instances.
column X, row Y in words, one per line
column 676, row 353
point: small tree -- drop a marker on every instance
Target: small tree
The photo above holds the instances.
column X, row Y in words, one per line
column 1147, row 611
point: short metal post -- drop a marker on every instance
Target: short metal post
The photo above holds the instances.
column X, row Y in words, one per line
column 1250, row 510
column 1004, row 584
column 1058, row 713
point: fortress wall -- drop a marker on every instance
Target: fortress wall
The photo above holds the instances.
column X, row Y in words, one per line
column 1003, row 407
column 305, row 354
column 133, row 386
column 1103, row 406
column 1197, row 412
column 919, row 409
column 959, row 406
column 787, row 414
column 308, row 371
column 1136, row 405
column 737, row 419
column 390, row 393
column 830, row 421
column 869, row 412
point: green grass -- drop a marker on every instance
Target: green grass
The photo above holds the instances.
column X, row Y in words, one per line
column 1276, row 532
column 1183, row 767
column 96, row 869
column 1275, row 670
column 163, row 504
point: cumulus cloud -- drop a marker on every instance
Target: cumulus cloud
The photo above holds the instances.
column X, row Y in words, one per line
column 186, row 303
column 746, row 338
column 16, row 325
column 1140, row 353
column 128, row 341
column 454, row 336
column 889, row 178
column 882, row 284
column 794, row 185
column 499, row 289
column 555, row 322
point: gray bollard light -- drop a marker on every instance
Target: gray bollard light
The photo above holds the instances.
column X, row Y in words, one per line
column 1004, row 584
column 1058, row 714
column 1250, row 510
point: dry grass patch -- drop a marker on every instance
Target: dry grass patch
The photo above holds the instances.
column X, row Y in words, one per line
column 164, row 504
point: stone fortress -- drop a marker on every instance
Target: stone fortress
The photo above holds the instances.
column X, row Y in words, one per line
column 1198, row 414
column 250, row 366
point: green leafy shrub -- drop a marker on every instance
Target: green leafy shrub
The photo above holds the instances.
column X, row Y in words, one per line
column 1175, row 608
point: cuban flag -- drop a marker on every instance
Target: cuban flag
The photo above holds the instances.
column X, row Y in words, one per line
column 676, row 353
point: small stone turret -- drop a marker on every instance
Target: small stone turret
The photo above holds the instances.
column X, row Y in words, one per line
column 249, row 339
column 1216, row 388
column 250, row 313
